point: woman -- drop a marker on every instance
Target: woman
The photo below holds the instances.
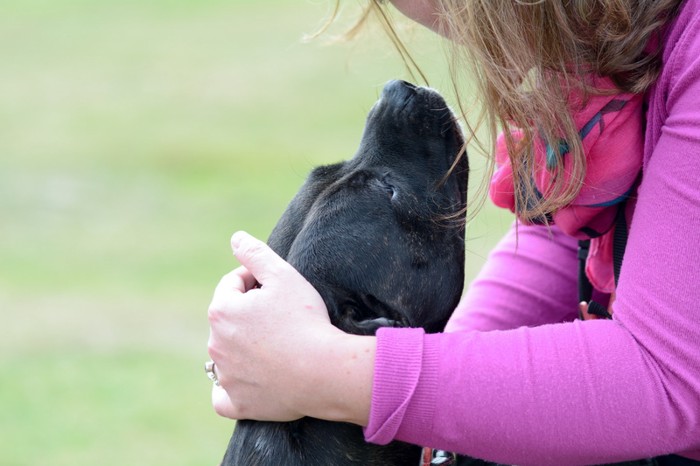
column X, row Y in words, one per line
column 601, row 101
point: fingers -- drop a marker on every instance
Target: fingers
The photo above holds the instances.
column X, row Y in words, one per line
column 250, row 336
column 239, row 280
column 249, row 281
column 232, row 281
column 222, row 403
column 231, row 285
column 251, row 252
column 257, row 257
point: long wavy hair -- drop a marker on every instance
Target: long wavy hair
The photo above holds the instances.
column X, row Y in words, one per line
column 523, row 55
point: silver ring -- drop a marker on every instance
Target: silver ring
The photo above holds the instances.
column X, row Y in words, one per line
column 209, row 368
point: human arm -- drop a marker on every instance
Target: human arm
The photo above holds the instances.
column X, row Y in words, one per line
column 528, row 279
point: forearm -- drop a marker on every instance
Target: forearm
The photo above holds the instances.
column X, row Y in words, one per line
column 574, row 393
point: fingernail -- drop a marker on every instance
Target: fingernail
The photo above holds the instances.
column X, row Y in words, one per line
column 236, row 240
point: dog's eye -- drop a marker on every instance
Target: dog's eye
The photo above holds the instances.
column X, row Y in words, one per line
column 388, row 187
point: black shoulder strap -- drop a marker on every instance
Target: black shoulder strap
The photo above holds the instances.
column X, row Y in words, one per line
column 585, row 288
column 619, row 240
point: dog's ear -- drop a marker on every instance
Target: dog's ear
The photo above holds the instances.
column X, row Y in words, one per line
column 293, row 218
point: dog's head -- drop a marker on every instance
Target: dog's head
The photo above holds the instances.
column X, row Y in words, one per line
column 371, row 235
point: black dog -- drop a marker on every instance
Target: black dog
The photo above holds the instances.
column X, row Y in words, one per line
column 380, row 237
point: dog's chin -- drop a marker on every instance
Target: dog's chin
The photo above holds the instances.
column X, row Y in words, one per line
column 367, row 326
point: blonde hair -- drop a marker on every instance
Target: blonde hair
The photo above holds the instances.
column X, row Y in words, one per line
column 524, row 57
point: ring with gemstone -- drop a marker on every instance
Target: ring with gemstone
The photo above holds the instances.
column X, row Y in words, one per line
column 209, row 368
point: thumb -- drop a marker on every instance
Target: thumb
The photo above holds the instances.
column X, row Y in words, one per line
column 256, row 256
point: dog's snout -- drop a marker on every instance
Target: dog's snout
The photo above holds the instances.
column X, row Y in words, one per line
column 420, row 109
column 399, row 89
column 405, row 84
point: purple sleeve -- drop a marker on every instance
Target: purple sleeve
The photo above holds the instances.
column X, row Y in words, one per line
column 577, row 392
column 529, row 279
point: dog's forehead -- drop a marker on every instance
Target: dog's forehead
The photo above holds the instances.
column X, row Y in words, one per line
column 360, row 241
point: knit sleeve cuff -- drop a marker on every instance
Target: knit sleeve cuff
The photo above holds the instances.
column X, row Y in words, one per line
column 404, row 385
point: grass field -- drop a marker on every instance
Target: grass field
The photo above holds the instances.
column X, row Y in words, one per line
column 136, row 136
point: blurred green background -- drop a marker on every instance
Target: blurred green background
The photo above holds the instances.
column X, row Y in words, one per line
column 135, row 137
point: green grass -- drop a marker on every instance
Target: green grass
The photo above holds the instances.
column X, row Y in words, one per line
column 135, row 138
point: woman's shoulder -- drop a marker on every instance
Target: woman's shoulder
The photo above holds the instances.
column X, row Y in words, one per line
column 681, row 39
column 673, row 102
column 680, row 72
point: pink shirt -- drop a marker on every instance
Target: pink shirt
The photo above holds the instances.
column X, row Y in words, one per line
column 515, row 380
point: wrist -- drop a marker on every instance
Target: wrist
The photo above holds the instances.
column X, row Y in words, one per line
column 341, row 389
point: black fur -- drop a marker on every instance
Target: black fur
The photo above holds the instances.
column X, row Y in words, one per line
column 371, row 235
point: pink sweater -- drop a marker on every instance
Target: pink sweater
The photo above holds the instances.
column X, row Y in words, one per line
column 515, row 380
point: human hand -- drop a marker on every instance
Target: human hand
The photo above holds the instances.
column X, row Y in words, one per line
column 272, row 341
